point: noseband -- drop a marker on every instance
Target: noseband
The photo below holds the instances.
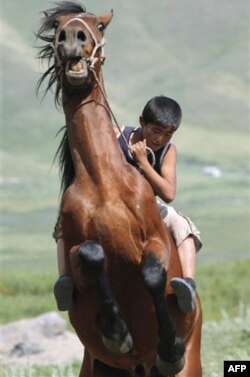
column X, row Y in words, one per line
column 91, row 61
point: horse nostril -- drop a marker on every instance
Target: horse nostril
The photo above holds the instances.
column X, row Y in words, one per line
column 62, row 36
column 81, row 36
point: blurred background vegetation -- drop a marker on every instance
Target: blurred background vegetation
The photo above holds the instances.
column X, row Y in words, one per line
column 195, row 51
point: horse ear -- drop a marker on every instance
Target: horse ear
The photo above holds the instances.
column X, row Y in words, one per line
column 105, row 19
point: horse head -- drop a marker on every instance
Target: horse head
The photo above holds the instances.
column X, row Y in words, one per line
column 76, row 45
column 79, row 45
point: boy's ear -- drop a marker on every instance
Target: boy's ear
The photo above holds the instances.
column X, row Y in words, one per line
column 141, row 120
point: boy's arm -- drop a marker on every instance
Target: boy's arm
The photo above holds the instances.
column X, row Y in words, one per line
column 163, row 185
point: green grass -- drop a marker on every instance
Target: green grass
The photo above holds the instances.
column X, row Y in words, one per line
column 222, row 287
column 219, row 207
column 38, row 371
column 227, row 339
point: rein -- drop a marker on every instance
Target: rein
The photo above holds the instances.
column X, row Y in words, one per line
column 91, row 61
column 109, row 110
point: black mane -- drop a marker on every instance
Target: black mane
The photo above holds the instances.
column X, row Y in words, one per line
column 46, row 52
column 66, row 166
column 62, row 8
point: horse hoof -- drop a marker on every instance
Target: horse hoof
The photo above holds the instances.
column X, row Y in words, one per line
column 117, row 346
column 169, row 369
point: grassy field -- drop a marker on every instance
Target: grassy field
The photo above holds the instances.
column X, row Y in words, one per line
column 222, row 287
column 194, row 51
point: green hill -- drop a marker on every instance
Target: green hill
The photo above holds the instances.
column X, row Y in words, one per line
column 194, row 51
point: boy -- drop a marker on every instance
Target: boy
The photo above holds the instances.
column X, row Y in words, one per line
column 159, row 120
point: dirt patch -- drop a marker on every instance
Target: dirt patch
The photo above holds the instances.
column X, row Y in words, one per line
column 42, row 340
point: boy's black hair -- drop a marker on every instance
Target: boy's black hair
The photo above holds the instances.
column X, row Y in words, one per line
column 162, row 111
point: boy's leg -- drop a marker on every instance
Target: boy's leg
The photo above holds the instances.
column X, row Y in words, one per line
column 185, row 288
column 61, row 257
column 186, row 237
column 63, row 288
column 187, row 254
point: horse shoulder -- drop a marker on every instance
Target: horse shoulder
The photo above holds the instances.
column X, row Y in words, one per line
column 75, row 200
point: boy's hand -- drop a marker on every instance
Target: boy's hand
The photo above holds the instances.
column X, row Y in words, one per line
column 139, row 152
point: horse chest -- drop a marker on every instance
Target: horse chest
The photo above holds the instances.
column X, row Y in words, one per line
column 110, row 223
column 117, row 229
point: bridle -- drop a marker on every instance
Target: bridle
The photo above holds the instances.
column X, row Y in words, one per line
column 91, row 61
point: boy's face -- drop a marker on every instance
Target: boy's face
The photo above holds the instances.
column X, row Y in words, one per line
column 156, row 136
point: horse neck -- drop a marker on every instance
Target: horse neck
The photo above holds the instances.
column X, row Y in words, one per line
column 94, row 148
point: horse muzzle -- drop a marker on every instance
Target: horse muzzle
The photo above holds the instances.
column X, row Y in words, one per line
column 76, row 71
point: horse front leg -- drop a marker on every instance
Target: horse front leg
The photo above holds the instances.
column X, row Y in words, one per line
column 170, row 358
column 115, row 334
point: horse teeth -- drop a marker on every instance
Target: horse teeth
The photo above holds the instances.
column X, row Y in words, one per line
column 76, row 67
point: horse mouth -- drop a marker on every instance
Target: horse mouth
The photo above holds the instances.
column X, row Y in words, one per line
column 76, row 71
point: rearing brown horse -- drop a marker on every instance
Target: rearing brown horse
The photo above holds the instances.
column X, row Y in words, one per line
column 118, row 251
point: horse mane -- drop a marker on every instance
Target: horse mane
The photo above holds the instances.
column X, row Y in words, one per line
column 66, row 166
column 46, row 52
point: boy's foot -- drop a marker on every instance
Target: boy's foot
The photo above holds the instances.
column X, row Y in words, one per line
column 185, row 293
column 63, row 290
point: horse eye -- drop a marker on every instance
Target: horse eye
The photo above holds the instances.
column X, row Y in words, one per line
column 55, row 25
column 100, row 26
